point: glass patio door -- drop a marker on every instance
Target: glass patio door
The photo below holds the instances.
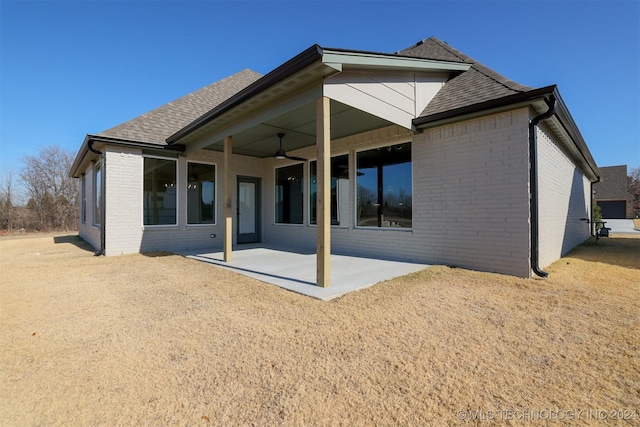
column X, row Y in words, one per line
column 248, row 214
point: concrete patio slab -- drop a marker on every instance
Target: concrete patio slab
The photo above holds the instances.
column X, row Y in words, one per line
column 295, row 270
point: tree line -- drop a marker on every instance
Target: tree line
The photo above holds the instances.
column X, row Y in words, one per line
column 42, row 197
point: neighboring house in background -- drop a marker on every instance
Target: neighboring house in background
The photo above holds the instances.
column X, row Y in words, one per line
column 421, row 155
column 611, row 193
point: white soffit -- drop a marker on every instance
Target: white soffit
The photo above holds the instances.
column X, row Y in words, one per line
column 339, row 60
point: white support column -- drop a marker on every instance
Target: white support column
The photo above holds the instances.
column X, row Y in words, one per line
column 228, row 186
column 323, row 214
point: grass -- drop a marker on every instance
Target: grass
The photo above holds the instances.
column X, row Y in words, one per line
column 165, row 340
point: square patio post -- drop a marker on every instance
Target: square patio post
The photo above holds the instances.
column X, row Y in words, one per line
column 228, row 218
column 323, row 195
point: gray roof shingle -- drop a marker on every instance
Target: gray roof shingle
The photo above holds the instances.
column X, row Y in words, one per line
column 476, row 85
column 157, row 125
column 613, row 183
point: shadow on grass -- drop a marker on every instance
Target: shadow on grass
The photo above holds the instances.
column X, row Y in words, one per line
column 73, row 239
column 157, row 254
column 624, row 252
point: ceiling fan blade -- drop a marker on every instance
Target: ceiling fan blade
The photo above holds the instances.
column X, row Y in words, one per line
column 281, row 154
column 300, row 159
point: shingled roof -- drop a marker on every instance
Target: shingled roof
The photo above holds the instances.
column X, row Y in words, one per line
column 157, row 125
column 476, row 85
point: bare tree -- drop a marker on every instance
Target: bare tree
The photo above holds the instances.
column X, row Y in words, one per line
column 52, row 194
column 8, row 208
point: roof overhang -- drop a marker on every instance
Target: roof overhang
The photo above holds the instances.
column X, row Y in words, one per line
column 292, row 87
column 341, row 59
column 561, row 123
column 86, row 154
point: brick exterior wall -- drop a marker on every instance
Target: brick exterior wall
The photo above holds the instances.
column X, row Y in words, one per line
column 564, row 199
column 470, row 199
column 472, row 208
column 613, row 187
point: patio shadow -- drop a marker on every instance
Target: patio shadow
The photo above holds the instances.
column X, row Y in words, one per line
column 624, row 252
column 73, row 239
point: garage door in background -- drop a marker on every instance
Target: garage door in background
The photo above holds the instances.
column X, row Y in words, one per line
column 614, row 209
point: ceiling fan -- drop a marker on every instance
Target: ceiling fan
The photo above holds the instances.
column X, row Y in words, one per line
column 281, row 154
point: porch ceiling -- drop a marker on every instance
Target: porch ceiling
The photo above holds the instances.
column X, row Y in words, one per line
column 299, row 127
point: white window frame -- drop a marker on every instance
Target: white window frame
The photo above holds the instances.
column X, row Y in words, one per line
column 215, row 194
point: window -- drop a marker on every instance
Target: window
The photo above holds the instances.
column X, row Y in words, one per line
column 339, row 189
column 289, row 198
column 83, row 201
column 201, row 200
column 385, row 187
column 97, row 194
column 159, row 192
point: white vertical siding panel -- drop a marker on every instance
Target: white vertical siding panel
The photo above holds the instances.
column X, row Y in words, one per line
column 391, row 96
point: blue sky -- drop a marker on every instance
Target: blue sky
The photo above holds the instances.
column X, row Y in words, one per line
column 68, row 68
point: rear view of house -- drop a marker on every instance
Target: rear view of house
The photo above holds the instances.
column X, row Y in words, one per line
column 421, row 155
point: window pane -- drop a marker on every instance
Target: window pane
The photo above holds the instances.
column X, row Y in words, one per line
column 397, row 201
column 339, row 189
column 97, row 195
column 385, row 187
column 159, row 192
column 201, row 193
column 289, row 194
column 83, row 207
column 367, row 196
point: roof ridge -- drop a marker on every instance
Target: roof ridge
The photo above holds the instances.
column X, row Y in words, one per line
column 455, row 52
column 480, row 67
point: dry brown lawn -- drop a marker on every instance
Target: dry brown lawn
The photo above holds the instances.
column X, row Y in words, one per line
column 164, row 340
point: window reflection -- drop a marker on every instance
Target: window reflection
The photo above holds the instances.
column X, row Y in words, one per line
column 385, row 187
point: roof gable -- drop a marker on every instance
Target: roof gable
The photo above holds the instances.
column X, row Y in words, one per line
column 476, row 85
column 157, row 125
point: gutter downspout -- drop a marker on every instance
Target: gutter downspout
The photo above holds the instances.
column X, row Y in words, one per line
column 533, row 185
column 103, row 187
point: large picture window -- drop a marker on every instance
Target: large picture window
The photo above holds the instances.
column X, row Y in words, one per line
column 289, row 196
column 339, row 189
column 201, row 193
column 97, row 194
column 385, row 187
column 159, row 191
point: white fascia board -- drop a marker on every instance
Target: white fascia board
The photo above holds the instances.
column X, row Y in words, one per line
column 338, row 60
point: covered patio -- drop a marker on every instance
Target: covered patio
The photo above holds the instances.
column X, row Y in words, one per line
column 294, row 269
column 315, row 98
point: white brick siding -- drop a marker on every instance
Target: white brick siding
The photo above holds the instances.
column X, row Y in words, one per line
column 123, row 177
column 470, row 199
column 564, row 198
column 125, row 230
column 471, row 181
